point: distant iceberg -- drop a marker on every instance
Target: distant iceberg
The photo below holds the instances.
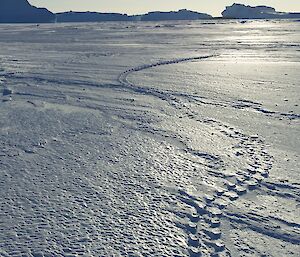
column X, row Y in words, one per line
column 90, row 17
column 20, row 11
column 180, row 15
column 240, row 11
column 151, row 16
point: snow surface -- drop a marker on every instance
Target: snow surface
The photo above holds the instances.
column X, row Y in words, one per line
column 150, row 139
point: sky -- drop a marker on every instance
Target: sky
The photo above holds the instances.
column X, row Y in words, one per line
column 213, row 7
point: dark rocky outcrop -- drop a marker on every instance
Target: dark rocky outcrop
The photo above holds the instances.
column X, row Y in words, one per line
column 20, row 11
column 240, row 11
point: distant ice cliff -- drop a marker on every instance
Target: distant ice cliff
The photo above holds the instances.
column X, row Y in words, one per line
column 151, row 16
column 180, row 15
column 90, row 17
column 240, row 11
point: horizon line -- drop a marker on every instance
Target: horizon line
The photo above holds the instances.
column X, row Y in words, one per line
column 157, row 10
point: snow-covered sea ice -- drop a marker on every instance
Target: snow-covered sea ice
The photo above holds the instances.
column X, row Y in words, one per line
column 150, row 139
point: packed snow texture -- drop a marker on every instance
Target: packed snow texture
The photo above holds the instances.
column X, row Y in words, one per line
column 150, row 139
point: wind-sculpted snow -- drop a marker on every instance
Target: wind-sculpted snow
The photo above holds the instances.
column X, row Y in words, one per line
column 145, row 140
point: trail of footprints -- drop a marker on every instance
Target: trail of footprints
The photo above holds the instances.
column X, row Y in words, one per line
column 205, row 235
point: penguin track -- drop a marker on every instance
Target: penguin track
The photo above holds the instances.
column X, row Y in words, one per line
column 203, row 229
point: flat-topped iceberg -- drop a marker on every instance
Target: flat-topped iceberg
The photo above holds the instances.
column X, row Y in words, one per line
column 90, row 17
column 240, row 11
column 179, row 15
column 151, row 16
